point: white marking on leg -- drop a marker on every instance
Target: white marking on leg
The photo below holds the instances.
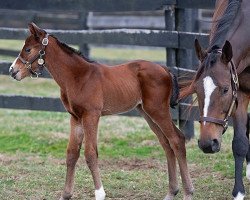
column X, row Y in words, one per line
column 13, row 64
column 100, row 194
column 239, row 196
column 209, row 88
column 248, row 171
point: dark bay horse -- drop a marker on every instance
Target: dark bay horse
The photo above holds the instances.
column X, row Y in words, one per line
column 90, row 90
column 222, row 84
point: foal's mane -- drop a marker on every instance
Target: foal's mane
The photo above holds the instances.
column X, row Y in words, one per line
column 70, row 50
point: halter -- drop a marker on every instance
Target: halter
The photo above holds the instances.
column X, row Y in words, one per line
column 39, row 57
column 235, row 87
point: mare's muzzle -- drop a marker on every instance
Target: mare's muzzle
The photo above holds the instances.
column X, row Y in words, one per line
column 209, row 146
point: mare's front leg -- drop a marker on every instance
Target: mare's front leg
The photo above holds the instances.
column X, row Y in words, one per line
column 240, row 144
column 73, row 152
column 248, row 153
column 90, row 125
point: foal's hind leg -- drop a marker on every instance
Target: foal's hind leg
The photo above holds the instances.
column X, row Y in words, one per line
column 182, row 159
column 161, row 116
column 73, row 152
column 171, row 159
column 90, row 126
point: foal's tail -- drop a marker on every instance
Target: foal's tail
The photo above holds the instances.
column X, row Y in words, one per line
column 174, row 100
column 175, row 92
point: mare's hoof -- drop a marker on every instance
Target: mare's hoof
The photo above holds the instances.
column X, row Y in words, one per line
column 248, row 171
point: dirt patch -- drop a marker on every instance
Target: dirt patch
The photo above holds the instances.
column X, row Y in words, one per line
column 133, row 164
column 7, row 158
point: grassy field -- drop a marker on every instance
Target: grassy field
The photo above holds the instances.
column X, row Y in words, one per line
column 133, row 166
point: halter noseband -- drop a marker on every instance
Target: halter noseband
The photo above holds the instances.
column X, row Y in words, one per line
column 235, row 87
column 39, row 57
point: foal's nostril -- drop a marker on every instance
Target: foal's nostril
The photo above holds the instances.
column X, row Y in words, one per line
column 13, row 74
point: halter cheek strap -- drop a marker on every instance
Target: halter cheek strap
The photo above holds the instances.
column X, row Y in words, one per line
column 235, row 87
column 39, row 57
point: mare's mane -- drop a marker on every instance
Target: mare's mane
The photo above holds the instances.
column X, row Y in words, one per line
column 218, row 39
column 224, row 24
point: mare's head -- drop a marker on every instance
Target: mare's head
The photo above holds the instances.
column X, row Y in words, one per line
column 31, row 58
column 215, row 87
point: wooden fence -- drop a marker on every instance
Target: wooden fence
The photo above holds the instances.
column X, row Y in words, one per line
column 177, row 38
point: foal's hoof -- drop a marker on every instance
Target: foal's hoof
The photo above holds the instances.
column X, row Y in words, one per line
column 66, row 196
column 187, row 197
column 170, row 196
column 100, row 194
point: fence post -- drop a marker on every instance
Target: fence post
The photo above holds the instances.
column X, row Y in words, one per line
column 169, row 13
column 183, row 20
column 170, row 26
column 83, row 17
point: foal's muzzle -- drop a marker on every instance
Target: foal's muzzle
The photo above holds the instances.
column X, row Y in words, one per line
column 209, row 146
column 12, row 72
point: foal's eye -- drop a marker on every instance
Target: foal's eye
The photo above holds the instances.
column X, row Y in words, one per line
column 27, row 50
column 225, row 90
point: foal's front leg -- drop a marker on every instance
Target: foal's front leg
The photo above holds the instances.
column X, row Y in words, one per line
column 90, row 126
column 73, row 152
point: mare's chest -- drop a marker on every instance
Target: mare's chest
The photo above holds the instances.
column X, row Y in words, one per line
column 244, row 78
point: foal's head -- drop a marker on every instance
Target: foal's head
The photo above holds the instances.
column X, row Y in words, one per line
column 31, row 58
column 215, row 85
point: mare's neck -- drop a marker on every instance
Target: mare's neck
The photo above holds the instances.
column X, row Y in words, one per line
column 65, row 68
column 239, row 36
column 238, row 33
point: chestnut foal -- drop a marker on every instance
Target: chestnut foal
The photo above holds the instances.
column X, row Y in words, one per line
column 90, row 90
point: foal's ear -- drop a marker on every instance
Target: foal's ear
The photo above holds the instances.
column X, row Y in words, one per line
column 201, row 54
column 35, row 30
column 227, row 53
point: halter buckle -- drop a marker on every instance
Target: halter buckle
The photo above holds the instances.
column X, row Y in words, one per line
column 45, row 41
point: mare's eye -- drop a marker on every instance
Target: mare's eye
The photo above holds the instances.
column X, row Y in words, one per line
column 27, row 50
column 225, row 90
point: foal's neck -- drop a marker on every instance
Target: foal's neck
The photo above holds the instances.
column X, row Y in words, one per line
column 65, row 68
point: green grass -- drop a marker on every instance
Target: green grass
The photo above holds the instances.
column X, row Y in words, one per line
column 157, row 54
column 28, row 86
column 32, row 152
